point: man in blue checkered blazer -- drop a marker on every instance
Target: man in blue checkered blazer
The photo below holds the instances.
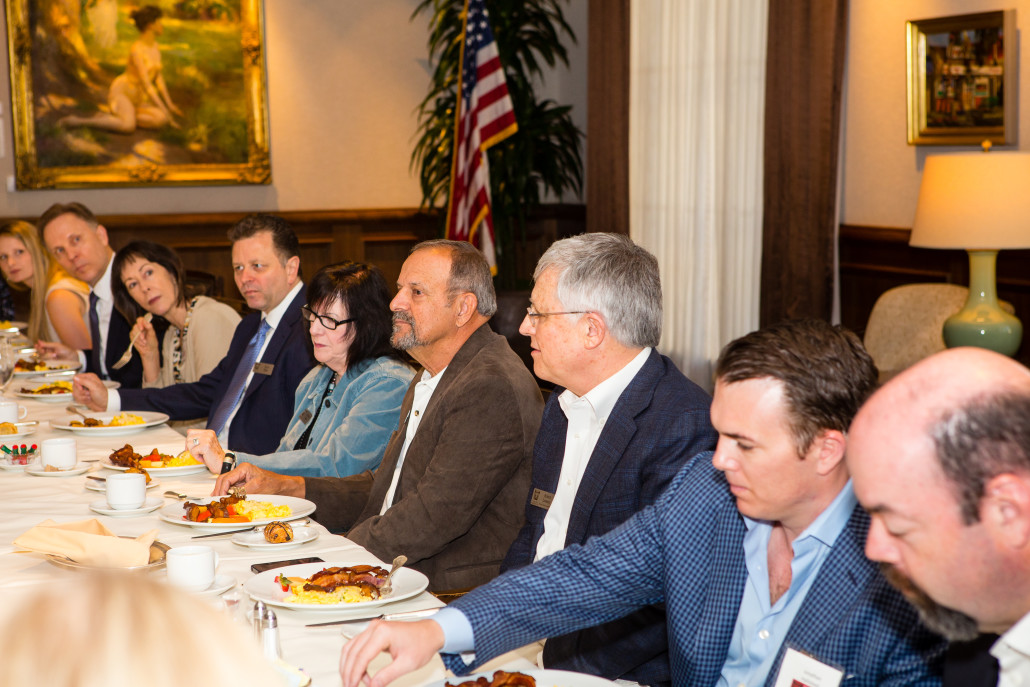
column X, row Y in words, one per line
column 756, row 550
column 621, row 423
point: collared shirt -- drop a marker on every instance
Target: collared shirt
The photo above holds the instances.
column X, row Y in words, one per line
column 1013, row 653
column 105, row 307
column 423, row 392
column 587, row 416
column 761, row 626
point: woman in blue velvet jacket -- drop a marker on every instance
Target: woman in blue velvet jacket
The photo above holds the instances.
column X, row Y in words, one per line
column 347, row 407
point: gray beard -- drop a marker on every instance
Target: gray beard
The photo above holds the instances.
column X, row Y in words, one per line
column 947, row 622
column 404, row 342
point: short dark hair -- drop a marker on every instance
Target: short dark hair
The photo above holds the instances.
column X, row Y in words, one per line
column 986, row 437
column 283, row 237
column 150, row 252
column 470, row 273
column 145, row 16
column 362, row 290
column 58, row 209
column 826, row 372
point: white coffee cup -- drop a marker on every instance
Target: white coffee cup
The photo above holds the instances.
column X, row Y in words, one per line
column 11, row 411
column 191, row 567
column 59, row 453
column 126, row 490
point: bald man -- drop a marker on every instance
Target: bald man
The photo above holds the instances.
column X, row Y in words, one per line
column 940, row 457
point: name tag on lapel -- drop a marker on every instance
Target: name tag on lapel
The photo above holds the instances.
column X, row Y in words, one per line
column 263, row 368
column 799, row 668
column 541, row 499
column 305, row 417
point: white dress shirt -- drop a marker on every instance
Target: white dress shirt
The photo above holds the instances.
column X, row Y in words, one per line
column 586, row 416
column 105, row 306
column 423, row 392
column 1013, row 653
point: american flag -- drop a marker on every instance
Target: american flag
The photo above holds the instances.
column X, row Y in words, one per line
column 485, row 116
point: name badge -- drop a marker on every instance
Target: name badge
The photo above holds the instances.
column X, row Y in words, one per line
column 541, row 499
column 799, row 669
column 263, row 368
column 305, row 417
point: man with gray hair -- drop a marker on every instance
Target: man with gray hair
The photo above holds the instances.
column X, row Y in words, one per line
column 618, row 428
column 449, row 491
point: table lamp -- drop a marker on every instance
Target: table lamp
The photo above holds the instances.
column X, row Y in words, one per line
column 979, row 202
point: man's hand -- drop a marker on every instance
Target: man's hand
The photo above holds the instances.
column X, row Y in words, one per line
column 52, row 350
column 203, row 445
column 258, row 481
column 89, row 390
column 411, row 644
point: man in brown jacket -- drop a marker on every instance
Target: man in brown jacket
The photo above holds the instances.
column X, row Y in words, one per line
column 450, row 491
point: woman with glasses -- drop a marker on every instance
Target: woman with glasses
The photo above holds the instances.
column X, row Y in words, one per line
column 347, row 407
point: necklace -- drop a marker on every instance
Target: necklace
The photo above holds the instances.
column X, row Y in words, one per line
column 179, row 340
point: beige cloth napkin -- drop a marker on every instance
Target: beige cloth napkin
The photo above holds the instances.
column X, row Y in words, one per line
column 88, row 542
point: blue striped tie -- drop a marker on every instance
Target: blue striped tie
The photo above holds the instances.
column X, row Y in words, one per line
column 239, row 381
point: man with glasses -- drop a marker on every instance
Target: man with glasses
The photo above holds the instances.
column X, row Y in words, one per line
column 448, row 493
column 248, row 398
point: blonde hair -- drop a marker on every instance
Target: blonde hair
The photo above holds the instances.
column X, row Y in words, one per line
column 42, row 264
column 124, row 630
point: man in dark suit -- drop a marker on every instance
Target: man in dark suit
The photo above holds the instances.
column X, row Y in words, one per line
column 454, row 476
column 248, row 398
column 621, row 423
column 78, row 242
column 756, row 550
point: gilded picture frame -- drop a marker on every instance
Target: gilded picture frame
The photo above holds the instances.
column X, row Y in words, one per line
column 961, row 90
column 157, row 93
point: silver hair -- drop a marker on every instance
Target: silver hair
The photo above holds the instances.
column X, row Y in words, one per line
column 470, row 273
column 610, row 275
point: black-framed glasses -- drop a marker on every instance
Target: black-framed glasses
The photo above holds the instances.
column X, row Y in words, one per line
column 534, row 315
column 326, row 321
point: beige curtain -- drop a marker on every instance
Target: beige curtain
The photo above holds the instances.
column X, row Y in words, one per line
column 697, row 93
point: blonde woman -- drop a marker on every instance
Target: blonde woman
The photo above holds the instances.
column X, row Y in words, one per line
column 60, row 303
column 115, row 629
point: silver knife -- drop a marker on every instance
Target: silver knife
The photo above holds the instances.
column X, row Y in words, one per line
column 403, row 615
column 223, row 532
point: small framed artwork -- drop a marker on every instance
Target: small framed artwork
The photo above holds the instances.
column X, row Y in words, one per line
column 961, row 90
column 144, row 93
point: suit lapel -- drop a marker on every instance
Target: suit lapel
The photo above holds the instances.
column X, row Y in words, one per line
column 618, row 431
column 275, row 346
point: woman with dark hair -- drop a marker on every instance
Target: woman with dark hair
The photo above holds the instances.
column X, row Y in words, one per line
column 149, row 278
column 347, row 407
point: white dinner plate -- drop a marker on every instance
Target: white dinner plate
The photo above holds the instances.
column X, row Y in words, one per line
column 151, row 504
column 256, row 540
column 94, row 485
column 167, row 472
column 150, row 419
column 406, row 584
column 174, row 513
column 25, row 429
column 62, row 397
column 69, row 366
column 38, row 470
column 13, row 326
column 544, row 678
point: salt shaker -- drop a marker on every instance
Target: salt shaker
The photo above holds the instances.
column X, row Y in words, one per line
column 266, row 631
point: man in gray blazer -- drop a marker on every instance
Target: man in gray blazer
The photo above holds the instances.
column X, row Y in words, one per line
column 449, row 493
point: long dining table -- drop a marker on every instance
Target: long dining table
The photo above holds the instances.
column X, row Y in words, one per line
column 26, row 500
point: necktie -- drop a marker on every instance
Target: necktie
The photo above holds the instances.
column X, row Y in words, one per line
column 234, row 393
column 94, row 334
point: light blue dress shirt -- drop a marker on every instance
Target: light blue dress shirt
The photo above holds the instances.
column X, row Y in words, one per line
column 761, row 627
column 350, row 433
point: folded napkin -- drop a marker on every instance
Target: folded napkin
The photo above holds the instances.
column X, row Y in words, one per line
column 88, row 542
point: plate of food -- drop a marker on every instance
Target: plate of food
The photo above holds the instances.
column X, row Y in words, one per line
column 126, row 459
column 45, row 390
column 275, row 535
column 12, row 326
column 230, row 512
column 31, row 367
column 9, row 431
column 533, row 677
column 111, row 425
column 332, row 586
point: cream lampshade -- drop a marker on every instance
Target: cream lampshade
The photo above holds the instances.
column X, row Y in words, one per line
column 979, row 202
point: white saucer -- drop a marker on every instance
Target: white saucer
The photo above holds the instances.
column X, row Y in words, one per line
column 38, row 470
column 94, row 485
column 256, row 540
column 222, row 584
column 100, row 506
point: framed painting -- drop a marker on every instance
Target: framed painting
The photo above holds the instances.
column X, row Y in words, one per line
column 138, row 93
column 961, row 90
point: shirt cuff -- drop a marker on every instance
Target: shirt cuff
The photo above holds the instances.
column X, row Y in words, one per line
column 82, row 360
column 114, row 402
column 457, row 631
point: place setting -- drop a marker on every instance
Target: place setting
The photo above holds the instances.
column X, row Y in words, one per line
column 194, row 568
column 126, row 496
column 57, row 458
column 106, row 424
column 89, row 545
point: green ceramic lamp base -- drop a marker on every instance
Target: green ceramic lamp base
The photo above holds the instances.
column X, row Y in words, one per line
column 981, row 322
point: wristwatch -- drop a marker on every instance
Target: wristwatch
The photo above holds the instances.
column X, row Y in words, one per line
column 228, row 462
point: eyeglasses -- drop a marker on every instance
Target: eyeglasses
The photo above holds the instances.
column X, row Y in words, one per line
column 533, row 316
column 326, row 321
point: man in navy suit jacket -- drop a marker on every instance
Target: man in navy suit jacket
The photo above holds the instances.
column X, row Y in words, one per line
column 78, row 242
column 621, row 423
column 756, row 550
column 266, row 265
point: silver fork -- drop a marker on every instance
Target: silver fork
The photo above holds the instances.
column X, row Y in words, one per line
column 127, row 356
